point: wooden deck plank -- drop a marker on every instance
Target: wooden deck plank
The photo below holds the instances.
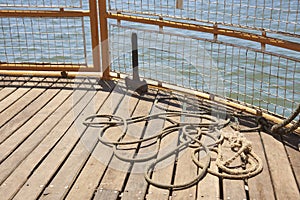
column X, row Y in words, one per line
column 113, row 180
column 33, row 162
column 30, row 111
column 45, row 159
column 7, row 85
column 53, row 162
column 292, row 146
column 209, row 187
column 280, row 169
column 85, row 185
column 43, row 116
column 164, row 172
column 37, row 135
column 136, row 186
column 135, row 132
column 19, row 105
column 186, row 170
column 14, row 95
column 65, row 177
column 233, row 189
column 260, row 186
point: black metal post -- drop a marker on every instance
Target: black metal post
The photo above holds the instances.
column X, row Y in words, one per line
column 135, row 57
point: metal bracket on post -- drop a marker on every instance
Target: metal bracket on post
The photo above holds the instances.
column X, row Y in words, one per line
column 136, row 84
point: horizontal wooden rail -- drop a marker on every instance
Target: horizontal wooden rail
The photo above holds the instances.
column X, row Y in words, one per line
column 43, row 13
column 46, row 67
column 263, row 39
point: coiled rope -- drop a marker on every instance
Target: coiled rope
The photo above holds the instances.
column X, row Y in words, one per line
column 190, row 137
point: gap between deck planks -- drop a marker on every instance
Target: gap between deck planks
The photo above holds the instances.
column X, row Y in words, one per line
column 60, row 152
column 26, row 121
column 164, row 172
column 10, row 84
column 42, row 150
column 281, row 171
column 59, row 186
column 28, row 136
column 64, row 179
column 115, row 175
column 86, row 183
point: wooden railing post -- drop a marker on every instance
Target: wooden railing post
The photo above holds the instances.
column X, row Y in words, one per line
column 94, row 34
column 263, row 45
column 104, row 39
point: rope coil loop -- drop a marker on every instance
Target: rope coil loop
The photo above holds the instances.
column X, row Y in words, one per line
column 190, row 135
column 206, row 160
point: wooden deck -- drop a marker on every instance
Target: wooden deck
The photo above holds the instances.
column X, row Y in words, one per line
column 47, row 153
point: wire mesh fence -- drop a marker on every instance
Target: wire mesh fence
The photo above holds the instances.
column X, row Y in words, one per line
column 270, row 15
column 249, row 76
column 43, row 40
column 42, row 3
column 50, row 40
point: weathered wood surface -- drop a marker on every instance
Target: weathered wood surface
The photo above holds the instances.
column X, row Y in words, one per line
column 47, row 153
column 283, row 179
column 136, row 186
column 232, row 189
column 164, row 170
column 260, row 187
column 185, row 170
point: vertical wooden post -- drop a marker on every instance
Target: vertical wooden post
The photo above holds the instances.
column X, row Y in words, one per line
column 104, row 39
column 94, row 34
column 215, row 31
column 179, row 4
column 263, row 45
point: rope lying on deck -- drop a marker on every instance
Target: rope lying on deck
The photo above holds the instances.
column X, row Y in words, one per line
column 279, row 128
column 190, row 136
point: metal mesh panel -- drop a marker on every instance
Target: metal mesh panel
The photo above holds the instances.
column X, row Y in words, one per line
column 42, row 3
column 253, row 77
column 43, row 40
column 273, row 15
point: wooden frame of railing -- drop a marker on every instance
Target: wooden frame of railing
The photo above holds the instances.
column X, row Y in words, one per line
column 92, row 13
column 104, row 15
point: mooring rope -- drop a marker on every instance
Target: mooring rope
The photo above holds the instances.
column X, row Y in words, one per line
column 279, row 128
column 190, row 137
